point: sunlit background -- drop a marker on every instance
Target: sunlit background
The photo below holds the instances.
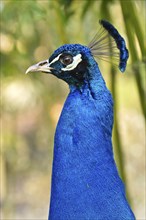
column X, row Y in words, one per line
column 31, row 104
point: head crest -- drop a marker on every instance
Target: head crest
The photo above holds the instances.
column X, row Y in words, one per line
column 109, row 43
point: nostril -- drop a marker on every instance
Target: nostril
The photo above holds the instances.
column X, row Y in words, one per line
column 43, row 63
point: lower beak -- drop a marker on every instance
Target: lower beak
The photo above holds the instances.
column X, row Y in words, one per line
column 42, row 66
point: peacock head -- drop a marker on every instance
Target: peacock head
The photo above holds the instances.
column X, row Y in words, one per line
column 75, row 63
column 70, row 62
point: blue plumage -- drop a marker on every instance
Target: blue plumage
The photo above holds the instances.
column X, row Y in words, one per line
column 120, row 43
column 85, row 181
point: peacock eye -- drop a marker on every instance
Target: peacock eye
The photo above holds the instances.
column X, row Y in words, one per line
column 66, row 59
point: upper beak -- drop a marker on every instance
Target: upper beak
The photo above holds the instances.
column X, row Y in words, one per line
column 41, row 66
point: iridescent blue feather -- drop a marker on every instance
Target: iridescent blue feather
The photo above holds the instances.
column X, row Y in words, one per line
column 85, row 180
column 109, row 43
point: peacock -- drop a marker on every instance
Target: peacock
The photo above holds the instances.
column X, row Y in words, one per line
column 85, row 181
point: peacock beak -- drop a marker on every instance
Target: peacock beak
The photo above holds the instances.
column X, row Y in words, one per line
column 42, row 66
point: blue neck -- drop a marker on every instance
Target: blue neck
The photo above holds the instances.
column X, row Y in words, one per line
column 85, row 182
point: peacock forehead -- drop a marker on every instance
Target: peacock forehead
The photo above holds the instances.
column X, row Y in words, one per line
column 73, row 49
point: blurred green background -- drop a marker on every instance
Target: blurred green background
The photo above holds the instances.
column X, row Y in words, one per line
column 31, row 104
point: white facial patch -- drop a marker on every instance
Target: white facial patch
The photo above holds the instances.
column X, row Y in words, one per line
column 76, row 60
column 55, row 59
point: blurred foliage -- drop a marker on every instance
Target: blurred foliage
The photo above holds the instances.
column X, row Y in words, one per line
column 31, row 105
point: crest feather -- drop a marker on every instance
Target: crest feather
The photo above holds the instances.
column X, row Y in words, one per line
column 108, row 43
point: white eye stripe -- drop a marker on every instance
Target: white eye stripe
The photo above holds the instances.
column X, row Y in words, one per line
column 55, row 59
column 76, row 60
